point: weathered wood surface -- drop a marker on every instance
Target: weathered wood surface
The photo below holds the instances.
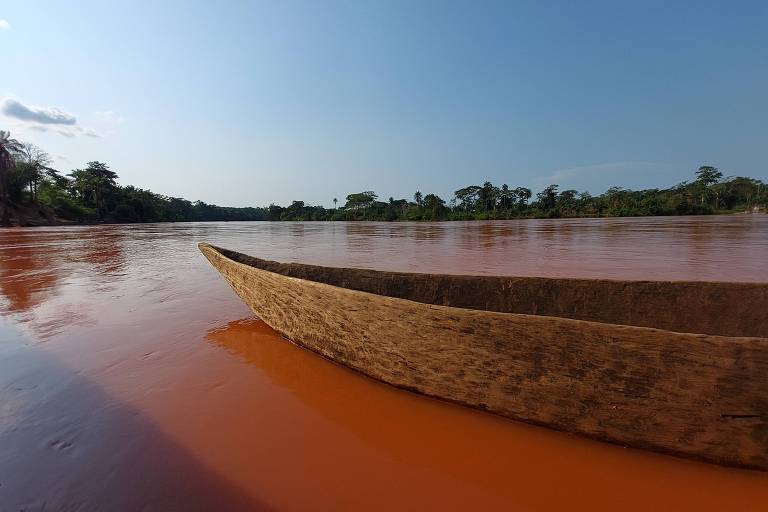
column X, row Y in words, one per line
column 693, row 395
column 722, row 308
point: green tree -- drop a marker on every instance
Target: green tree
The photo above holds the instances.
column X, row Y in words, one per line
column 488, row 194
column 567, row 202
column 36, row 164
column 418, row 198
column 103, row 180
column 707, row 176
column 614, row 198
column 9, row 148
column 360, row 201
column 93, row 183
column 506, row 197
column 587, row 204
column 523, row 196
column 82, row 184
column 434, row 206
column 547, row 198
column 468, row 197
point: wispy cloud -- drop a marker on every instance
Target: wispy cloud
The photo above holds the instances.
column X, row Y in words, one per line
column 4, row 25
column 66, row 131
column 109, row 116
column 599, row 177
column 44, row 119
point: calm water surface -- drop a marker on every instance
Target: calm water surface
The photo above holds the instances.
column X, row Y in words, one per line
column 133, row 378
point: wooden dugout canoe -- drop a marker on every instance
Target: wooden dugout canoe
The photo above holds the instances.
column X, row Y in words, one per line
column 675, row 367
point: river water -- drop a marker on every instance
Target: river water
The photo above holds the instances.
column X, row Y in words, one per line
column 133, row 378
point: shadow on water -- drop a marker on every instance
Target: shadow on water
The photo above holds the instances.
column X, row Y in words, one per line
column 97, row 453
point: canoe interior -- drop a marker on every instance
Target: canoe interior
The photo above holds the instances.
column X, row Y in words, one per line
column 715, row 308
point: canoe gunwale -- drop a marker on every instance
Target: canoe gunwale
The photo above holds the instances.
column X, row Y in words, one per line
column 612, row 301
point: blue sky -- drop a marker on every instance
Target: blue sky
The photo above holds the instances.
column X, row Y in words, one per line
column 247, row 103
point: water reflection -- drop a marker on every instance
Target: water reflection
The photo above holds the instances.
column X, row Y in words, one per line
column 27, row 274
column 361, row 239
column 36, row 264
column 103, row 250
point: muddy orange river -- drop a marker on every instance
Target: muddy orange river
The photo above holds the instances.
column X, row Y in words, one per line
column 133, row 378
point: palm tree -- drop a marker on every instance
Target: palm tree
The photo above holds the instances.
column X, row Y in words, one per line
column 335, row 200
column 8, row 148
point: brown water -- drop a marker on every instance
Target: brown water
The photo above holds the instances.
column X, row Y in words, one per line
column 132, row 377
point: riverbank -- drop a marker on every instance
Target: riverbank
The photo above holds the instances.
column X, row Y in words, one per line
column 37, row 215
column 31, row 215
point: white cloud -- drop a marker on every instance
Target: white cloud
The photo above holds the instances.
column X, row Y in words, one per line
column 4, row 25
column 35, row 114
column 44, row 119
column 109, row 116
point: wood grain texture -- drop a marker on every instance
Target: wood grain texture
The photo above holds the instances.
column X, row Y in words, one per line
column 693, row 395
column 722, row 308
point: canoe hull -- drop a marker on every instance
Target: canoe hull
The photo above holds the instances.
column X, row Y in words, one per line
column 690, row 395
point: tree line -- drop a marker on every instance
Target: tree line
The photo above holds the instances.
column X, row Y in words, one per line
column 31, row 188
column 29, row 184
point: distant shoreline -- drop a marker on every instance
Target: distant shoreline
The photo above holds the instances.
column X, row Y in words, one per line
column 38, row 223
column 34, row 194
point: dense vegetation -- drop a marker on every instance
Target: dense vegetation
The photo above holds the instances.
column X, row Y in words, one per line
column 29, row 184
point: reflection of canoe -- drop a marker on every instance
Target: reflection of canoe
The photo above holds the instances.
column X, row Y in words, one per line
column 576, row 355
